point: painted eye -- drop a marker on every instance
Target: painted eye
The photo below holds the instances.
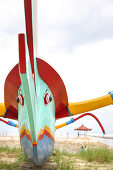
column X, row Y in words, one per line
column 47, row 98
column 20, row 99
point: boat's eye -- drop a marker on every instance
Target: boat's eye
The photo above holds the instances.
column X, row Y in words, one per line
column 47, row 98
column 20, row 99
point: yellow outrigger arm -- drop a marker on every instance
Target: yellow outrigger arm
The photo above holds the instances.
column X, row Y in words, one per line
column 89, row 105
column 2, row 109
column 80, row 107
column 86, row 106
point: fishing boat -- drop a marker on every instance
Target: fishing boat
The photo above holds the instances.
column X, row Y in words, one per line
column 35, row 95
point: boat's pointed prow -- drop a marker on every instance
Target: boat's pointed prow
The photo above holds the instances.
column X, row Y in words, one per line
column 36, row 106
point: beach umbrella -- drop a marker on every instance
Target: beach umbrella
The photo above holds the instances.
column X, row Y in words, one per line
column 82, row 128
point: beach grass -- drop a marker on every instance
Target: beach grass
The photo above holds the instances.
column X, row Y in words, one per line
column 89, row 159
column 9, row 150
column 11, row 158
column 101, row 155
column 63, row 159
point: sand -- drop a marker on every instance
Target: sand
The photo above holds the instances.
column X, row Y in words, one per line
column 68, row 144
column 73, row 145
column 10, row 141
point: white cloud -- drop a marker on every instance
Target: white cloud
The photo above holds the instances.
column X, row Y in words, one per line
column 68, row 24
column 11, row 16
column 86, row 71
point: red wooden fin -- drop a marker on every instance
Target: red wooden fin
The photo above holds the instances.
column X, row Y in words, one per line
column 29, row 30
column 11, row 113
column 22, row 53
column 55, row 83
column 12, row 84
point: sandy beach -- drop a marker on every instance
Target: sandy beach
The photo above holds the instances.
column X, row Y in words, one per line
column 10, row 141
column 73, row 145
column 63, row 144
column 67, row 144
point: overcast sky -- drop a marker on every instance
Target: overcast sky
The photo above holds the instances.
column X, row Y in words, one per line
column 76, row 38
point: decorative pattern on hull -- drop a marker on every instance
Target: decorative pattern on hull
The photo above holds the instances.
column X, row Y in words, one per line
column 38, row 151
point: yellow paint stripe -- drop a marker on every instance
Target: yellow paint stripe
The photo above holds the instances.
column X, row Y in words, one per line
column 24, row 129
column 2, row 109
column 60, row 126
column 41, row 132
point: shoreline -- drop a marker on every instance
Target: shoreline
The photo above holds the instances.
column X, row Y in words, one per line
column 97, row 136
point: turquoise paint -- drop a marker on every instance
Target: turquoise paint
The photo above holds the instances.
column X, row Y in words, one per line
column 34, row 115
